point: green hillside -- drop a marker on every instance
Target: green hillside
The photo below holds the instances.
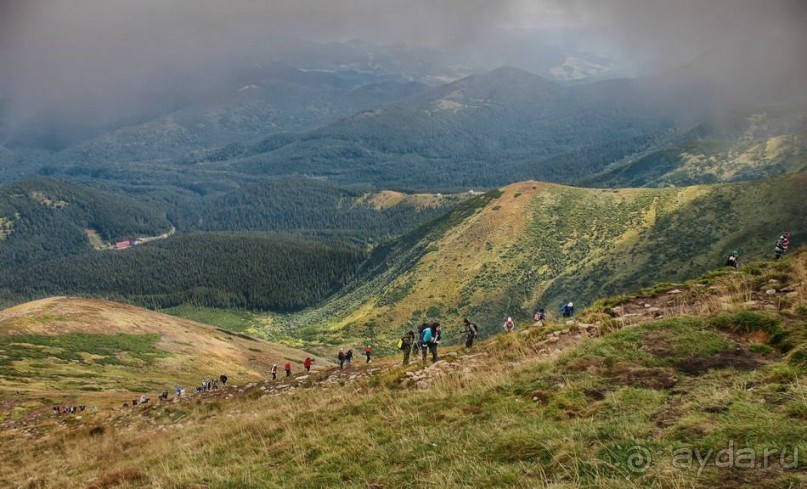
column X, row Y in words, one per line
column 533, row 245
column 86, row 348
column 259, row 272
column 733, row 148
column 704, row 390
column 250, row 248
column 479, row 132
column 484, row 130
column 42, row 219
column 313, row 208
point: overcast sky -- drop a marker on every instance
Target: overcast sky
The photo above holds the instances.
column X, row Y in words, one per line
column 60, row 53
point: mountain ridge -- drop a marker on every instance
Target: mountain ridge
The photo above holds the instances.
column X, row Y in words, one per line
column 534, row 244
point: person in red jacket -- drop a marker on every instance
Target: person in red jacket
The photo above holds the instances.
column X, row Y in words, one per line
column 368, row 352
column 307, row 363
column 288, row 369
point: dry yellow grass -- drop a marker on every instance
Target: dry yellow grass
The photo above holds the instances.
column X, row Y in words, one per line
column 474, row 427
column 390, row 198
column 190, row 351
column 464, row 249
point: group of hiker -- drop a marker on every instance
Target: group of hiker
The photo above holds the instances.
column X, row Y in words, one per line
column 286, row 367
column 210, row 384
column 345, row 358
column 428, row 340
column 143, row 400
column 781, row 247
column 428, row 337
column 72, row 409
column 307, row 364
column 205, row 386
column 782, row 244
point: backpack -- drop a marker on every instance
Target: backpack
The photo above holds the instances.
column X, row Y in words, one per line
column 473, row 330
column 400, row 344
column 427, row 335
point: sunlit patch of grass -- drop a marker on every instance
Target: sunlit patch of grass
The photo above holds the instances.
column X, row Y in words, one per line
column 103, row 349
column 229, row 319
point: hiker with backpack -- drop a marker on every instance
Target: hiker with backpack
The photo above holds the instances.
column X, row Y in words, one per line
column 342, row 357
column 307, row 363
column 733, row 260
column 430, row 340
column 471, row 332
column 405, row 344
column 509, row 325
column 782, row 244
column 274, row 372
column 567, row 310
column 424, row 339
column 287, row 367
column 368, row 351
column 223, row 379
column 349, row 356
column 539, row 318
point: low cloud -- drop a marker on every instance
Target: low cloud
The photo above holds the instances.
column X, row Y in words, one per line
column 99, row 58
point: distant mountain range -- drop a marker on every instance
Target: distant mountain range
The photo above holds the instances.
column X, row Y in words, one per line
column 274, row 99
column 383, row 127
column 483, row 130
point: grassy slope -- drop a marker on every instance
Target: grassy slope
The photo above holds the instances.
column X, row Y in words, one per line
column 76, row 347
column 540, row 409
column 539, row 245
column 710, row 162
column 732, row 148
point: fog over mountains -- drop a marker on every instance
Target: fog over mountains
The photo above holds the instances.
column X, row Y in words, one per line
column 74, row 69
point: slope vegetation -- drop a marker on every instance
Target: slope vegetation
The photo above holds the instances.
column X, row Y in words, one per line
column 274, row 273
column 69, row 347
column 483, row 130
column 719, row 368
column 314, row 209
column 734, row 148
column 44, row 218
column 533, row 245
